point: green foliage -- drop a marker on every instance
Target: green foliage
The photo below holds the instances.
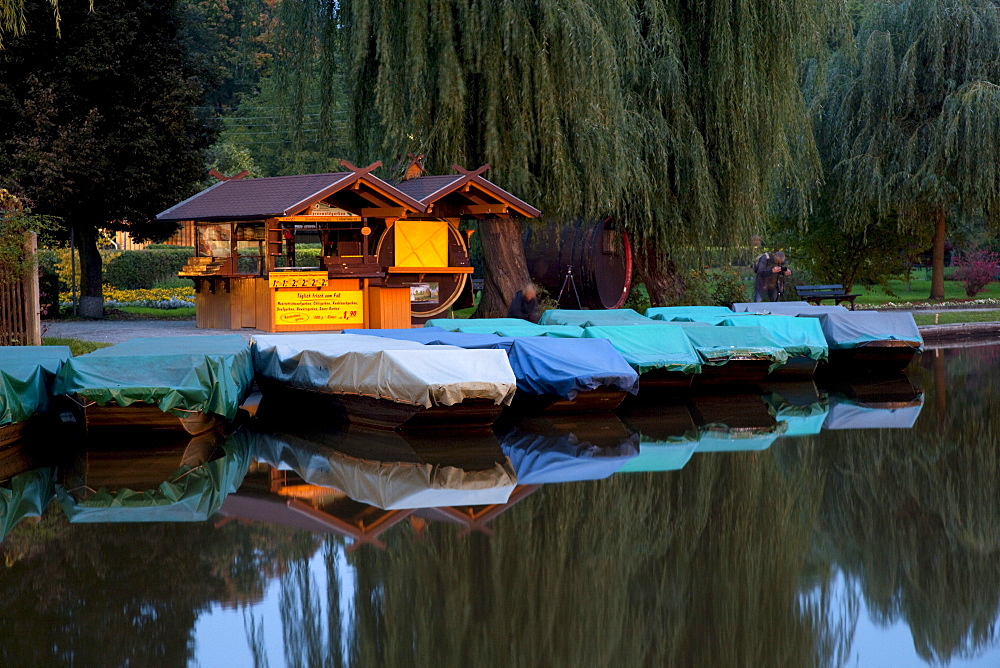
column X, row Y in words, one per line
column 16, row 223
column 76, row 346
column 715, row 287
column 143, row 269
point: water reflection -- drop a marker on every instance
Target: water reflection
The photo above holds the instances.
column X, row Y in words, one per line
column 783, row 527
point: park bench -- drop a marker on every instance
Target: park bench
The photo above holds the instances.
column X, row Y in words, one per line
column 815, row 294
column 478, row 284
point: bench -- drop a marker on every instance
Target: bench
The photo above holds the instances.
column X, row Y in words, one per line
column 815, row 294
column 478, row 284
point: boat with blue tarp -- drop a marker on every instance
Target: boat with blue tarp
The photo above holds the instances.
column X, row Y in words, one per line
column 452, row 324
column 187, row 382
column 866, row 339
column 27, row 375
column 558, row 331
column 384, row 382
column 687, row 313
column 557, row 450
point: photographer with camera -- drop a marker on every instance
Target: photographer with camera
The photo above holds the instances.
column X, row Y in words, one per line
column 770, row 273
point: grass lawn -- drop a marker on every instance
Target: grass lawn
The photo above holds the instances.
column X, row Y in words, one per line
column 76, row 346
column 159, row 313
column 952, row 317
column 918, row 290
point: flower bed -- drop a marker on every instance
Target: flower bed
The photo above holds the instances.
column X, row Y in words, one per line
column 162, row 298
column 955, row 303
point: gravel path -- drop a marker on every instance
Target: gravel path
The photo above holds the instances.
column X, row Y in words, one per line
column 116, row 331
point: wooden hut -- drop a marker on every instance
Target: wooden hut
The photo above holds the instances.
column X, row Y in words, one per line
column 391, row 254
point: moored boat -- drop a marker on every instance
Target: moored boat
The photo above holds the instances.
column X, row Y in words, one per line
column 382, row 382
column 661, row 354
column 735, row 355
column 192, row 383
column 595, row 318
column 27, row 374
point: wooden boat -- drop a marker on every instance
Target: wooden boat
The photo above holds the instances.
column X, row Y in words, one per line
column 384, row 383
column 735, row 355
column 27, row 374
column 661, row 354
column 187, row 383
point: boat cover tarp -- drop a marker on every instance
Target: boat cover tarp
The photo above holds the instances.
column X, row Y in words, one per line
column 566, row 367
column 400, row 333
column 712, row 439
column 785, row 308
column 190, row 494
column 852, row 329
column 25, row 495
column 802, row 420
column 400, row 371
column 553, row 366
column 452, row 324
column 718, row 345
column 655, row 456
column 541, row 458
column 27, row 374
column 848, row 414
column 670, row 313
column 595, row 318
column 798, row 336
column 648, row 347
column 560, row 331
column 389, row 485
column 211, row 374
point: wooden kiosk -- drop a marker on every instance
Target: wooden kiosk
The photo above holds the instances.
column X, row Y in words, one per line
column 391, row 255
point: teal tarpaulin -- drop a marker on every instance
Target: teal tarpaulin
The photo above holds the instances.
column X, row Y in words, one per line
column 801, row 419
column 25, row 495
column 670, row 313
column 190, row 494
column 660, row 456
column 798, row 336
column 648, row 347
column 211, row 374
column 452, row 324
column 718, row 345
column 26, row 377
column 596, row 318
column 560, row 331
column 715, row 438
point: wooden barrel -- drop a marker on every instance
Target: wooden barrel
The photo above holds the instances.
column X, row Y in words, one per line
column 599, row 253
column 449, row 286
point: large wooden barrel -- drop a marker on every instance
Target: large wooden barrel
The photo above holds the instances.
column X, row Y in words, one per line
column 599, row 253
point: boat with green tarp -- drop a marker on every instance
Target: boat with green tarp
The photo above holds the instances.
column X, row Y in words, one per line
column 661, row 354
column 27, row 375
column 596, row 318
column 186, row 382
column 735, row 355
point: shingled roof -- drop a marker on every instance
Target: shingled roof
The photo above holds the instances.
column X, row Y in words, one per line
column 430, row 189
column 258, row 199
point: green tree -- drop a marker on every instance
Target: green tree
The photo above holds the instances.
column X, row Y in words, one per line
column 677, row 117
column 97, row 125
column 911, row 120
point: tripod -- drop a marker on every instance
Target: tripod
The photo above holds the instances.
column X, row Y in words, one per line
column 571, row 282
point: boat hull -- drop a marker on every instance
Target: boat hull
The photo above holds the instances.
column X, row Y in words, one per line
column 147, row 415
column 880, row 356
column 592, row 401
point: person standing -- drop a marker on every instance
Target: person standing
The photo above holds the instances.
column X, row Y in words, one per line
column 525, row 304
column 769, row 269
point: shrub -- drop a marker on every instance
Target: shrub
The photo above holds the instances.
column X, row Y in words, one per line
column 143, row 269
column 727, row 287
column 975, row 270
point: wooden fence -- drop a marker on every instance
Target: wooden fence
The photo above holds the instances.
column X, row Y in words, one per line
column 20, row 308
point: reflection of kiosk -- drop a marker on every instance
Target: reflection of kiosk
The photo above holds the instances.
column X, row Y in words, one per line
column 388, row 253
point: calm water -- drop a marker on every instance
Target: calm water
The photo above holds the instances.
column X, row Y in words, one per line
column 858, row 525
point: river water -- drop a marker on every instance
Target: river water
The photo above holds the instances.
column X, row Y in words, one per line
column 856, row 524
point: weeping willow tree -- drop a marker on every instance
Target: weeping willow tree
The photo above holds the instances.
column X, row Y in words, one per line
column 13, row 21
column 675, row 117
column 911, row 122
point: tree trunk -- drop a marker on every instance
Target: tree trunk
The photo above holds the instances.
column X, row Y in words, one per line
column 504, row 266
column 659, row 274
column 937, row 265
column 91, row 287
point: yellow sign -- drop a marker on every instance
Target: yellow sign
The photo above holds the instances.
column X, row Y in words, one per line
column 297, row 279
column 421, row 243
column 306, row 307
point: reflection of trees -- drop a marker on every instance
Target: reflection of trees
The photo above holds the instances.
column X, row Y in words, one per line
column 915, row 518
column 127, row 594
column 699, row 567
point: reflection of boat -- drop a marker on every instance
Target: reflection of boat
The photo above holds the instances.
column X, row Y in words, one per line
column 568, row 448
column 383, row 382
column 391, row 470
column 667, row 436
column 180, row 382
column 150, row 477
column 731, row 422
column 26, row 377
column 27, row 494
column 800, row 405
column 890, row 402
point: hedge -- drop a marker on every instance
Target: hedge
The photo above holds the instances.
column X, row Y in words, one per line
column 142, row 269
